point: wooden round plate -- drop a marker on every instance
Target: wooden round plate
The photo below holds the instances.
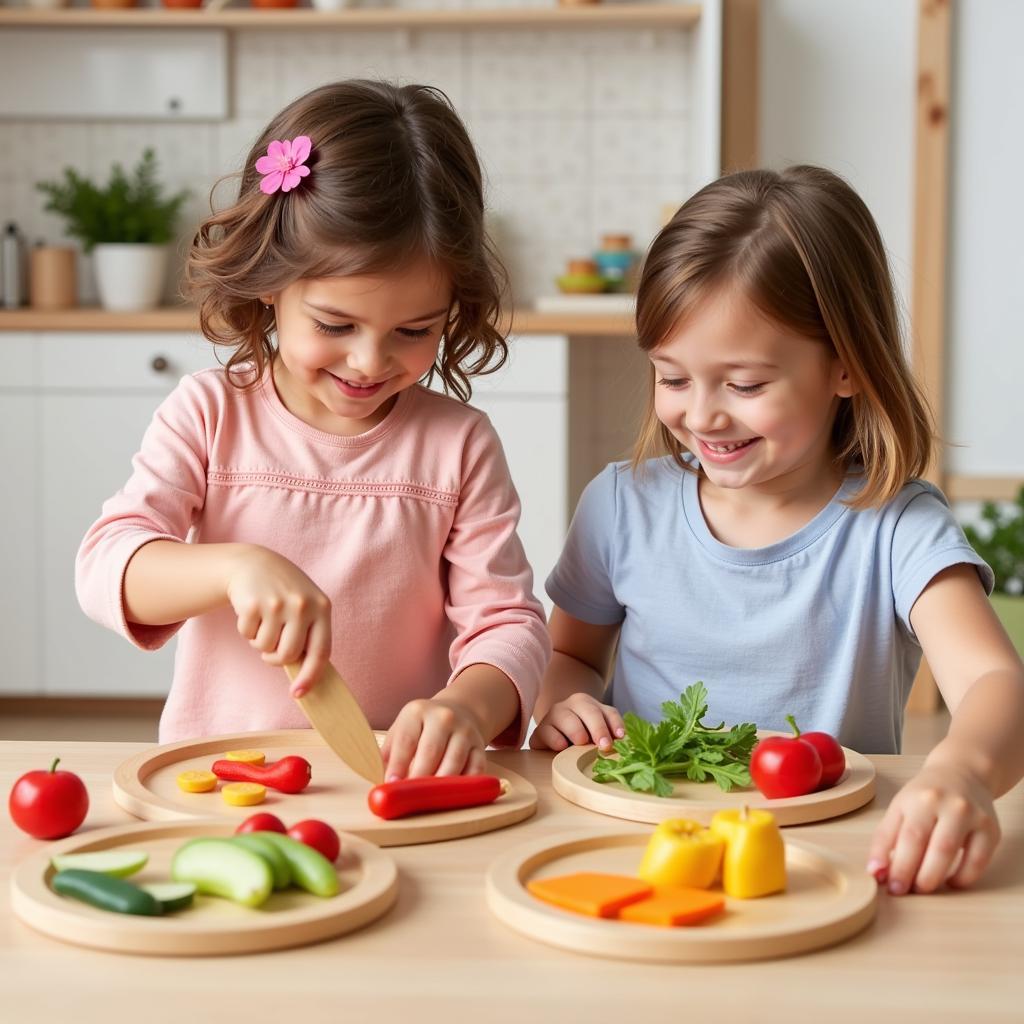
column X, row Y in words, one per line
column 826, row 901
column 291, row 917
column 572, row 777
column 145, row 786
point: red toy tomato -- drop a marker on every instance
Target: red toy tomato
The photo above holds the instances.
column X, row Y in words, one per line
column 833, row 760
column 48, row 805
column 785, row 765
column 262, row 822
column 319, row 835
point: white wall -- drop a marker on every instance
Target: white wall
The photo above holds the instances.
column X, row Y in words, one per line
column 837, row 89
column 985, row 322
column 580, row 131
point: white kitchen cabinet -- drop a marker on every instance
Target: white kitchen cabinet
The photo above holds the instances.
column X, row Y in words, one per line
column 96, row 395
column 19, row 538
column 73, row 408
column 528, row 403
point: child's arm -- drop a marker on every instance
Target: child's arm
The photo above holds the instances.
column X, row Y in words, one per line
column 501, row 645
column 947, row 811
column 281, row 612
column 569, row 708
column 135, row 574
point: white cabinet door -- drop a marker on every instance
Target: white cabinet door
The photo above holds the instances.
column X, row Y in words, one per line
column 19, row 539
column 98, row 396
column 528, row 403
column 87, row 444
column 533, row 432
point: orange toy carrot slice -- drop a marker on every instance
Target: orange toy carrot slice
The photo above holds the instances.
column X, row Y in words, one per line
column 590, row 893
column 673, row 905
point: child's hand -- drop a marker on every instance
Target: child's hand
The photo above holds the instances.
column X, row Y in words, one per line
column 578, row 719
column 942, row 811
column 433, row 737
column 282, row 613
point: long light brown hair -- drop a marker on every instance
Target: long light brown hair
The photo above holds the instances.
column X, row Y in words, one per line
column 393, row 177
column 802, row 246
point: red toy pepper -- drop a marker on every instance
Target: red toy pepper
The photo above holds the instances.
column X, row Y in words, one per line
column 433, row 793
column 288, row 775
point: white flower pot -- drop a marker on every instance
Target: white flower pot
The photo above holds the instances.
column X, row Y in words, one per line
column 130, row 276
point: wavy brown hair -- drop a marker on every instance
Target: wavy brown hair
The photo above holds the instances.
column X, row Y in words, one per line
column 393, row 177
column 802, row 246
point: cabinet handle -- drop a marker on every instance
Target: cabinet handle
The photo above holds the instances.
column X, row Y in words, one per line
column 159, row 364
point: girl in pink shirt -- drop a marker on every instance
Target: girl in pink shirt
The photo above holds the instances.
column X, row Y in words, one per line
column 312, row 500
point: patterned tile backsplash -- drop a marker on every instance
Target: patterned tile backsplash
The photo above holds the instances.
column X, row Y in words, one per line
column 580, row 131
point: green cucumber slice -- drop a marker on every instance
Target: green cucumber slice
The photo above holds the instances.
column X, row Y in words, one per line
column 105, row 892
column 171, row 895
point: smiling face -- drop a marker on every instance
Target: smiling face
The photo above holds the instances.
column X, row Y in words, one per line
column 348, row 345
column 752, row 401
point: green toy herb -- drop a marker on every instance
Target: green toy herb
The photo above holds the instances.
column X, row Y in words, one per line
column 680, row 745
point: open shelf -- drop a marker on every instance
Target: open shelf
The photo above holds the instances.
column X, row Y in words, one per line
column 184, row 318
column 639, row 15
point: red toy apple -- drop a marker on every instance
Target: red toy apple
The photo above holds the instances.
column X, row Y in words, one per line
column 48, row 805
column 319, row 835
column 262, row 822
column 833, row 760
column 784, row 766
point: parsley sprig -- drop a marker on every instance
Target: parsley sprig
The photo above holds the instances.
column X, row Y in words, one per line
column 680, row 745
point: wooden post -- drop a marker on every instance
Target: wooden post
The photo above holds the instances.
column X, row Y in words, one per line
column 928, row 297
column 741, row 69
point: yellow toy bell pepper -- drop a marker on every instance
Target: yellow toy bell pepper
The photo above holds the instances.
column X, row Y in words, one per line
column 682, row 852
column 754, row 863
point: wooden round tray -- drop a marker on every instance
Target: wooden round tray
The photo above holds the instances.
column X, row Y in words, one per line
column 145, row 786
column 369, row 886
column 826, row 901
column 571, row 775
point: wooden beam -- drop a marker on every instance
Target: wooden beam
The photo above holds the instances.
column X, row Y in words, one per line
column 982, row 488
column 741, row 68
column 928, row 294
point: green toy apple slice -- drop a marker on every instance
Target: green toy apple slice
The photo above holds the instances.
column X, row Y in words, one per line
column 118, row 863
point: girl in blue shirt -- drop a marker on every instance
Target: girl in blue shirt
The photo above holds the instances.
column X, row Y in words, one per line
column 771, row 536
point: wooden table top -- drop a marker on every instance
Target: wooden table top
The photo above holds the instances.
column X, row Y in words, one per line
column 440, row 954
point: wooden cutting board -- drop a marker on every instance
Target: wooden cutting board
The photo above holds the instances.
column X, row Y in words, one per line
column 211, row 926
column 827, row 900
column 572, row 778
column 145, row 786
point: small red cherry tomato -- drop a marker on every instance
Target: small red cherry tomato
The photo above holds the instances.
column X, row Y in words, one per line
column 48, row 805
column 262, row 822
column 784, row 766
column 319, row 835
column 833, row 760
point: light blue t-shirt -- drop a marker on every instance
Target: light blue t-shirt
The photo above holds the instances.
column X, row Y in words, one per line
column 816, row 625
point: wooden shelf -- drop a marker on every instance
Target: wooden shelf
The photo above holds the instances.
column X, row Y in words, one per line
column 183, row 318
column 638, row 15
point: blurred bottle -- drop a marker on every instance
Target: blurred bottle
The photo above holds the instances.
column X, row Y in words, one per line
column 13, row 269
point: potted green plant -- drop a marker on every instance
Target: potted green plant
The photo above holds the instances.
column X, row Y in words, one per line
column 1000, row 541
column 127, row 224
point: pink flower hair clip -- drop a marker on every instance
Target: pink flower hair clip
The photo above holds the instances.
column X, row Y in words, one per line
column 284, row 166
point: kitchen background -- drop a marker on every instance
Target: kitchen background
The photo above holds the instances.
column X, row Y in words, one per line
column 583, row 131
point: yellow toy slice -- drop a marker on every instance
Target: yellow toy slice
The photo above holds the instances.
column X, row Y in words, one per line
column 246, row 756
column 196, row 782
column 243, row 794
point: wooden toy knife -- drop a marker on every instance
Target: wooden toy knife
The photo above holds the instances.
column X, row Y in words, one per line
column 337, row 716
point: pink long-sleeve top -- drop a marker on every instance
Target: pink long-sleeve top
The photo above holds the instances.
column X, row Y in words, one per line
column 409, row 528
